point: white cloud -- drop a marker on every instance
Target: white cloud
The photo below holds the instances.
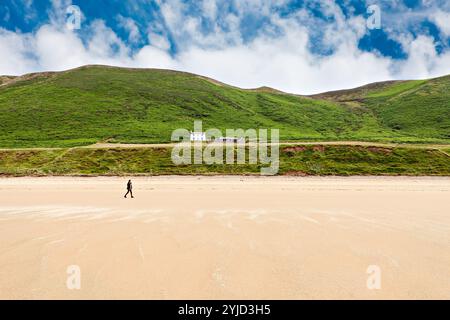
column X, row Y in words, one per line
column 158, row 41
column 58, row 50
column 442, row 19
column 209, row 8
column 151, row 57
column 15, row 53
column 286, row 64
column 131, row 27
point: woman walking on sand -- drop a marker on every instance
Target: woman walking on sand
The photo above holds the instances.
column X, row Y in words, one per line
column 129, row 189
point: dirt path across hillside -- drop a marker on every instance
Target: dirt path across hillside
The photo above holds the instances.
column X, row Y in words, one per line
column 349, row 143
column 102, row 145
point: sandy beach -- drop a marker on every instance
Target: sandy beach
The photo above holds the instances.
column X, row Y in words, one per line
column 225, row 237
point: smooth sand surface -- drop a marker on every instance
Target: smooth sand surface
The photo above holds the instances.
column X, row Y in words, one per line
column 225, row 237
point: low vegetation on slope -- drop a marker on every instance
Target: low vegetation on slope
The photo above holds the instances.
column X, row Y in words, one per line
column 6, row 79
column 419, row 108
column 96, row 103
column 294, row 160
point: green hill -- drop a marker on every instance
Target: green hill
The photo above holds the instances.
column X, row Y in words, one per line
column 418, row 108
column 97, row 103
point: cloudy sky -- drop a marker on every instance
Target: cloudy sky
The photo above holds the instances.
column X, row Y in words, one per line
column 296, row 46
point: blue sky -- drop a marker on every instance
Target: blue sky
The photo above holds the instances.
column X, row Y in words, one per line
column 292, row 45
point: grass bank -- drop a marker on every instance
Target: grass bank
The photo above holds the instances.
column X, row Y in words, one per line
column 318, row 159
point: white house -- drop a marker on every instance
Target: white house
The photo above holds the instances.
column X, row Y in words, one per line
column 198, row 136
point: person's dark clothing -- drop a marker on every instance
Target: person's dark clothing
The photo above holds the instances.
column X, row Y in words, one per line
column 129, row 189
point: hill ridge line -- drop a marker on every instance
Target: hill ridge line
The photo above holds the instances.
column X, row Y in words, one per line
column 262, row 88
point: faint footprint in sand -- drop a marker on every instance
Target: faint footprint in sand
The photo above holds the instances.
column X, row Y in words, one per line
column 231, row 226
column 164, row 294
column 218, row 277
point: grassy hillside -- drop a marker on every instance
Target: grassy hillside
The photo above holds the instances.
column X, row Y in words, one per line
column 419, row 108
column 96, row 103
column 294, row 160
